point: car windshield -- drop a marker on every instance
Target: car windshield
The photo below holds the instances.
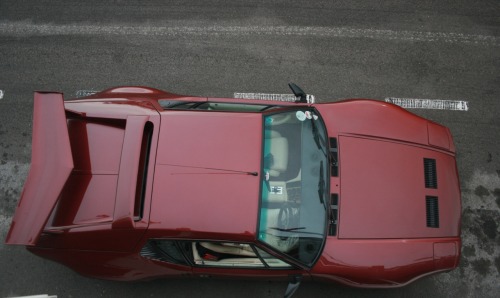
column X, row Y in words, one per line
column 295, row 184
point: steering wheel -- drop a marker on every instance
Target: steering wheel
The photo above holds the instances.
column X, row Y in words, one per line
column 287, row 221
column 285, row 218
column 287, row 238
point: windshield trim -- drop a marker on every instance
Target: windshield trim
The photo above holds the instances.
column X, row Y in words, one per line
column 327, row 193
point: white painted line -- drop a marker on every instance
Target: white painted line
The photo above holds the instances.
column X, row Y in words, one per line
column 28, row 29
column 1, row 94
column 36, row 296
column 266, row 96
column 434, row 104
column 83, row 93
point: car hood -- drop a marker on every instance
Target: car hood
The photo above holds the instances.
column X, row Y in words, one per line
column 207, row 175
column 383, row 191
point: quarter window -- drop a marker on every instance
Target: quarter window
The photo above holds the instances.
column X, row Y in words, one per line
column 231, row 107
column 271, row 261
column 213, row 106
column 225, row 254
column 229, row 254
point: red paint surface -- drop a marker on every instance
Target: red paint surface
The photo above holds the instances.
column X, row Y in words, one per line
column 383, row 190
column 375, row 119
column 51, row 164
column 200, row 185
column 201, row 179
column 384, row 262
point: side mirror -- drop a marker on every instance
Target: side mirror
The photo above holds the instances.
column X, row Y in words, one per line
column 293, row 285
column 300, row 94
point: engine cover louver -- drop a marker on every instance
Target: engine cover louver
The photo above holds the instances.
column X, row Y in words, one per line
column 432, row 210
column 430, row 173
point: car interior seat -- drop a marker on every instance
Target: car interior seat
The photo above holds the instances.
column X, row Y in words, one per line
column 278, row 151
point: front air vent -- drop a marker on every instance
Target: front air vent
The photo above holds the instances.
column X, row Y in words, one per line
column 334, row 157
column 334, row 215
column 430, row 173
column 432, row 210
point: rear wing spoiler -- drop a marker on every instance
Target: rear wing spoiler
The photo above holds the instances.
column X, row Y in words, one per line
column 51, row 165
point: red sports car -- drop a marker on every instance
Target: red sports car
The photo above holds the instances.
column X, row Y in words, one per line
column 135, row 183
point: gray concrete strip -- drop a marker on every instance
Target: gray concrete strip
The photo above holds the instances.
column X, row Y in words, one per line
column 480, row 249
column 5, row 222
column 29, row 29
column 12, row 177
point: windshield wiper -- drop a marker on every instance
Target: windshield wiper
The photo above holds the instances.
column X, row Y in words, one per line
column 317, row 139
column 287, row 230
column 315, row 134
column 321, row 184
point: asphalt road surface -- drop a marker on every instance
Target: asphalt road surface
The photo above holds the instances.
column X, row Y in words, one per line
column 448, row 50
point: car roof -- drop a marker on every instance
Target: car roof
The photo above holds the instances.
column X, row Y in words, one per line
column 207, row 176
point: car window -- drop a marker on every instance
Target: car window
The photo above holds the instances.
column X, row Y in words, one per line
column 295, row 184
column 211, row 254
column 231, row 107
column 212, row 106
column 272, row 261
column 230, row 254
column 176, row 104
column 225, row 254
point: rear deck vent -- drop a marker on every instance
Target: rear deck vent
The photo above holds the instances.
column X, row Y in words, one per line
column 334, row 157
column 148, row 251
column 142, row 174
column 334, row 215
column 432, row 209
column 430, row 173
column 164, row 250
